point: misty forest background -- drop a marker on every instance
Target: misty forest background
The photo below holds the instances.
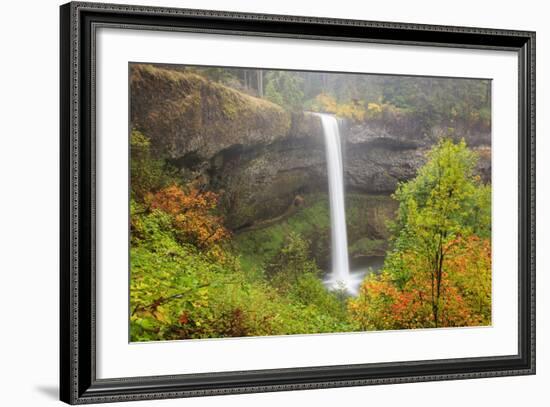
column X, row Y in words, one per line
column 229, row 211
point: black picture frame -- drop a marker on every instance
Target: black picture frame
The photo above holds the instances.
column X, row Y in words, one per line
column 78, row 382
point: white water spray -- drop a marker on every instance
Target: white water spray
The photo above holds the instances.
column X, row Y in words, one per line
column 340, row 276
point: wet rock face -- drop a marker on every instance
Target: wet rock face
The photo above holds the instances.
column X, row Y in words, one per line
column 261, row 156
column 379, row 155
column 377, row 169
column 263, row 183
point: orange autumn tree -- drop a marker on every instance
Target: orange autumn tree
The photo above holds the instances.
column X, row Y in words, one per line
column 469, row 268
column 194, row 214
column 465, row 292
column 439, row 270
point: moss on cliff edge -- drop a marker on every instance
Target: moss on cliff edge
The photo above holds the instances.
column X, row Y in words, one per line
column 183, row 112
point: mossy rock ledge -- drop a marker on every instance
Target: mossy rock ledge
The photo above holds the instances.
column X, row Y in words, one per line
column 186, row 114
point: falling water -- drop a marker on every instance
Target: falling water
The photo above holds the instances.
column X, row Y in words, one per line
column 340, row 276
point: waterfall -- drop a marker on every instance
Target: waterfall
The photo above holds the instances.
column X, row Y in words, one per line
column 340, row 276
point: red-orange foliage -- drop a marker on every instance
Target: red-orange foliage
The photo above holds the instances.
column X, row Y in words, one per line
column 193, row 212
column 469, row 267
column 465, row 292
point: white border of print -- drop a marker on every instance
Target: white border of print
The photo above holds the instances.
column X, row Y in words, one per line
column 117, row 358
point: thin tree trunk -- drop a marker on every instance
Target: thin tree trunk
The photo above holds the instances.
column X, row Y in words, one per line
column 438, row 274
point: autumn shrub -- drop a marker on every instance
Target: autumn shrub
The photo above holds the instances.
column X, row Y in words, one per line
column 383, row 111
column 357, row 110
column 193, row 214
column 353, row 110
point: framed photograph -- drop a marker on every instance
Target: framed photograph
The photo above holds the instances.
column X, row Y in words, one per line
column 254, row 203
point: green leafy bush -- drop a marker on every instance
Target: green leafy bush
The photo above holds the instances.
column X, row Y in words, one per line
column 146, row 173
